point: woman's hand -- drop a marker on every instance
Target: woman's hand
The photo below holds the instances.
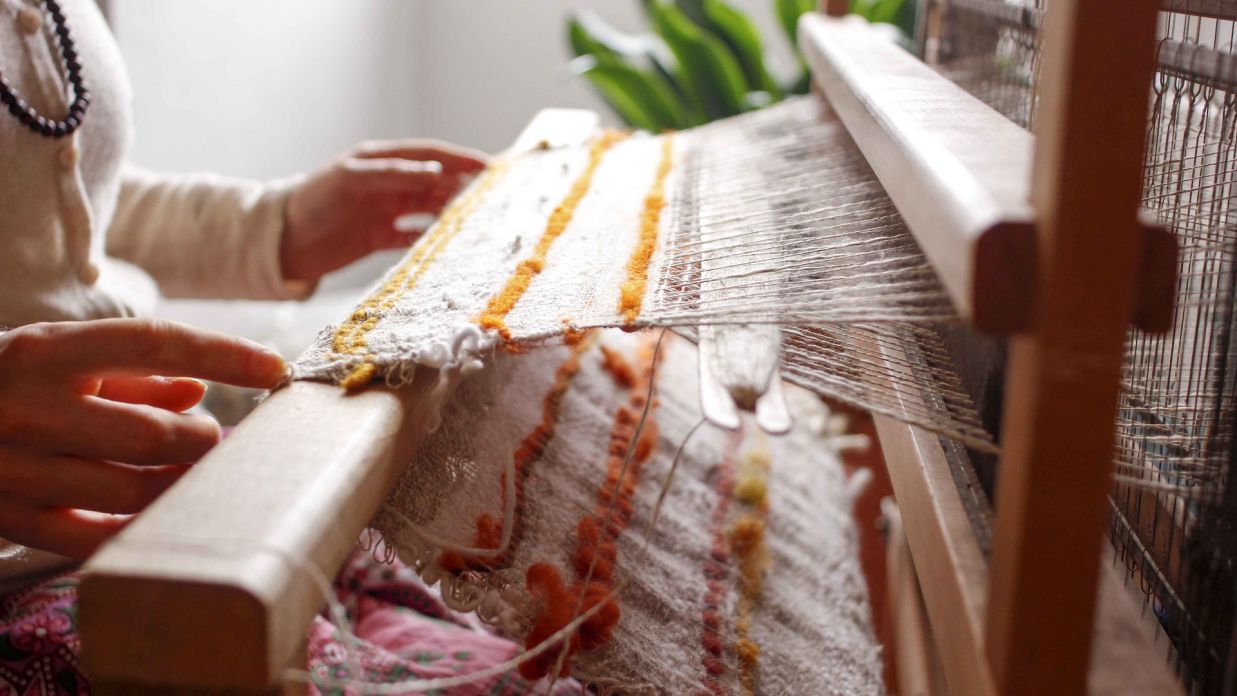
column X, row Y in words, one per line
column 348, row 209
column 91, row 422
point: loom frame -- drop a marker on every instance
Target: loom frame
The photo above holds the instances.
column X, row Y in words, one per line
column 1006, row 642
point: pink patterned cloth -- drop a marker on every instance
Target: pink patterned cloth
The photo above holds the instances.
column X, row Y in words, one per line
column 404, row 632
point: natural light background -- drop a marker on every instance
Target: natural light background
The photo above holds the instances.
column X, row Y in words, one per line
column 266, row 88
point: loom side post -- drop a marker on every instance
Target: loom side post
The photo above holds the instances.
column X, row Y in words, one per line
column 1063, row 377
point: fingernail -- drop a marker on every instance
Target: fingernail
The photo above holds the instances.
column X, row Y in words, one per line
column 268, row 364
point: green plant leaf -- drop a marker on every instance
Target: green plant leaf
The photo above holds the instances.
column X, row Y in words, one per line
column 740, row 35
column 641, row 98
column 589, row 34
column 694, row 9
column 583, row 44
column 710, row 75
column 803, row 85
column 886, row 11
column 788, row 13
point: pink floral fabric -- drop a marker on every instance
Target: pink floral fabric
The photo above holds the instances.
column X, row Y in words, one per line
column 404, row 632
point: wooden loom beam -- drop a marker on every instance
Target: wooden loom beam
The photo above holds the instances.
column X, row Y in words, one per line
column 965, row 198
column 1063, row 377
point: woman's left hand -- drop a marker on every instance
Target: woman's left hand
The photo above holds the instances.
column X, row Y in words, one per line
column 348, row 209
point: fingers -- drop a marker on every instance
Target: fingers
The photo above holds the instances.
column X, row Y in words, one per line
column 394, row 187
column 144, row 347
column 72, row 482
column 133, row 434
column 72, row 533
column 454, row 159
column 174, row 394
column 94, row 428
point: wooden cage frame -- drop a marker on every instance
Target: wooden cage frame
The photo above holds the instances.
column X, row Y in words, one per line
column 203, row 591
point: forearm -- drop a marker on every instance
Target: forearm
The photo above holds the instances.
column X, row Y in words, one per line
column 204, row 236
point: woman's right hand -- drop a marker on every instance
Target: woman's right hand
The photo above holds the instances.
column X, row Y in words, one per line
column 91, row 422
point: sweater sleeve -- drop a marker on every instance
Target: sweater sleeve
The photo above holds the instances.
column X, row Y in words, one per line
column 201, row 235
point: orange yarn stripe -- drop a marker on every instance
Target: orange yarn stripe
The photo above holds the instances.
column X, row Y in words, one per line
column 596, row 536
column 631, row 298
column 747, row 539
column 350, row 337
column 494, row 316
column 530, row 450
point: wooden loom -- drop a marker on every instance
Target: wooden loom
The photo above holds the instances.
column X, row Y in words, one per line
column 200, row 594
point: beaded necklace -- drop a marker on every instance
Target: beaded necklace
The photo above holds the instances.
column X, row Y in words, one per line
column 73, row 68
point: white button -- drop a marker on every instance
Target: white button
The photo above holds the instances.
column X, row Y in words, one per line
column 89, row 274
column 29, row 20
column 69, row 156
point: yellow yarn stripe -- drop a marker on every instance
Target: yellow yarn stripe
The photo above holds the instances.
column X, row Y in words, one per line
column 633, row 289
column 350, row 337
column 501, row 303
column 747, row 540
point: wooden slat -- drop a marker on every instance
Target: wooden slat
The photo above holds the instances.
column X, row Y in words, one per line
column 1128, row 655
column 950, row 566
column 1063, row 379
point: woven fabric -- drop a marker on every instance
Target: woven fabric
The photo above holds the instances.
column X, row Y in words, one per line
column 769, row 218
column 537, row 501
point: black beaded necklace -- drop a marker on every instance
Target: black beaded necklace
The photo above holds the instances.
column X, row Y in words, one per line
column 81, row 96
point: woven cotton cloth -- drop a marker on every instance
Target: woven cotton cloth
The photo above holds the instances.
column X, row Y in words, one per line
column 537, row 501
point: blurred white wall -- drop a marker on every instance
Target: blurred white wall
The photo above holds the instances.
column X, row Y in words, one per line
column 262, row 88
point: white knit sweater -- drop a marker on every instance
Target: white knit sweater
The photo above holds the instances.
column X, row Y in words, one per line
column 82, row 234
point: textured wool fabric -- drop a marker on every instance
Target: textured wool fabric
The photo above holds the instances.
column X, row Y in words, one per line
column 534, row 502
column 771, row 219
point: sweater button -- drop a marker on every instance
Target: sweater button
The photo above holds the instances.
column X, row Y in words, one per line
column 69, row 156
column 29, row 20
column 89, row 274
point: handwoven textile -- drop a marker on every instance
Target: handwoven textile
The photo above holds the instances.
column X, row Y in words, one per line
column 769, row 218
column 546, row 495
column 401, row 630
